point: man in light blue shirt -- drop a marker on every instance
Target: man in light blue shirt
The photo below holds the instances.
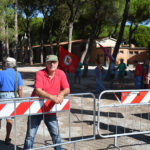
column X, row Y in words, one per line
column 7, row 88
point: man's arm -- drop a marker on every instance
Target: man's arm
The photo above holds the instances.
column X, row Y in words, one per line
column 44, row 94
column 20, row 91
column 65, row 92
column 60, row 96
column 58, row 99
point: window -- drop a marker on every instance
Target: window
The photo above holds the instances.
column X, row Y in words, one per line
column 136, row 53
column 131, row 52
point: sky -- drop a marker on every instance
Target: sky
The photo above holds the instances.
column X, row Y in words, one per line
column 148, row 24
column 40, row 15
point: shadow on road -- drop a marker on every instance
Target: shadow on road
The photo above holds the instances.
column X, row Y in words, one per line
column 4, row 146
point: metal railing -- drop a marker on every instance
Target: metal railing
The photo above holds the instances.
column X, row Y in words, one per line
column 74, row 117
column 116, row 119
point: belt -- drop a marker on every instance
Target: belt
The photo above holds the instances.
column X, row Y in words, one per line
column 6, row 91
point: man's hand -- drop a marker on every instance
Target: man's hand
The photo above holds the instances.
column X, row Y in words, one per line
column 58, row 99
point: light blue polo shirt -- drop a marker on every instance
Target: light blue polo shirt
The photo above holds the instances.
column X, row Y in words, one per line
column 7, row 80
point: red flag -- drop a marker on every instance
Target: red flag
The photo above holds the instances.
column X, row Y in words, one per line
column 67, row 61
column 106, row 52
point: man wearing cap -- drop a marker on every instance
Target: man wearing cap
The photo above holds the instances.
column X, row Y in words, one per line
column 50, row 83
column 7, row 88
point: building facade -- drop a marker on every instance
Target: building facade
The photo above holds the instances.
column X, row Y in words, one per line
column 78, row 46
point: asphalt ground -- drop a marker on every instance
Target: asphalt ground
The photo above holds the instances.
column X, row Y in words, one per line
column 81, row 123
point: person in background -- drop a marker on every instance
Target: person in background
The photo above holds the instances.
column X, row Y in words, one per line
column 122, row 68
column 78, row 73
column 7, row 88
column 50, row 83
column 137, row 75
column 112, row 72
column 99, row 76
column 146, row 78
column 144, row 70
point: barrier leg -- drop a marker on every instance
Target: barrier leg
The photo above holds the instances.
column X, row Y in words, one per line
column 44, row 139
column 74, row 146
column 15, row 137
column 15, row 129
column 114, row 145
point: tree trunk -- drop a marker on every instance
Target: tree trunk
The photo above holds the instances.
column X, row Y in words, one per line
column 85, row 71
column 3, row 42
column 22, row 46
column 70, row 36
column 115, row 31
column 30, row 51
column 25, row 52
column 85, row 51
column 29, row 42
column 16, row 29
column 3, row 55
column 51, row 42
column 89, row 45
column 131, row 31
column 119, row 40
column 42, row 36
column 7, row 42
column 74, row 8
column 50, row 36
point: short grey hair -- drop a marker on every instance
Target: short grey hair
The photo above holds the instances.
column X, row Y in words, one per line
column 11, row 62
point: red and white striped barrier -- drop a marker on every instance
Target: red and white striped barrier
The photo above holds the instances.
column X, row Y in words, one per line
column 135, row 97
column 32, row 107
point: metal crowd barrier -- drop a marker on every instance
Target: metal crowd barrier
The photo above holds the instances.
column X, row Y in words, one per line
column 127, row 114
column 73, row 112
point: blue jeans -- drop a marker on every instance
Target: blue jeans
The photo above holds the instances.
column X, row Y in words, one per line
column 99, row 84
column 32, row 127
column 137, row 81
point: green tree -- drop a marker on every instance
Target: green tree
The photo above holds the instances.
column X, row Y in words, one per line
column 46, row 7
column 99, row 14
column 16, row 27
column 36, row 25
column 59, row 28
column 74, row 10
column 7, row 31
column 135, row 16
column 124, row 19
column 141, row 36
column 29, row 9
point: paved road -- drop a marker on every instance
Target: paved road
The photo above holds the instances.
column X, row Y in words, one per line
column 81, row 119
